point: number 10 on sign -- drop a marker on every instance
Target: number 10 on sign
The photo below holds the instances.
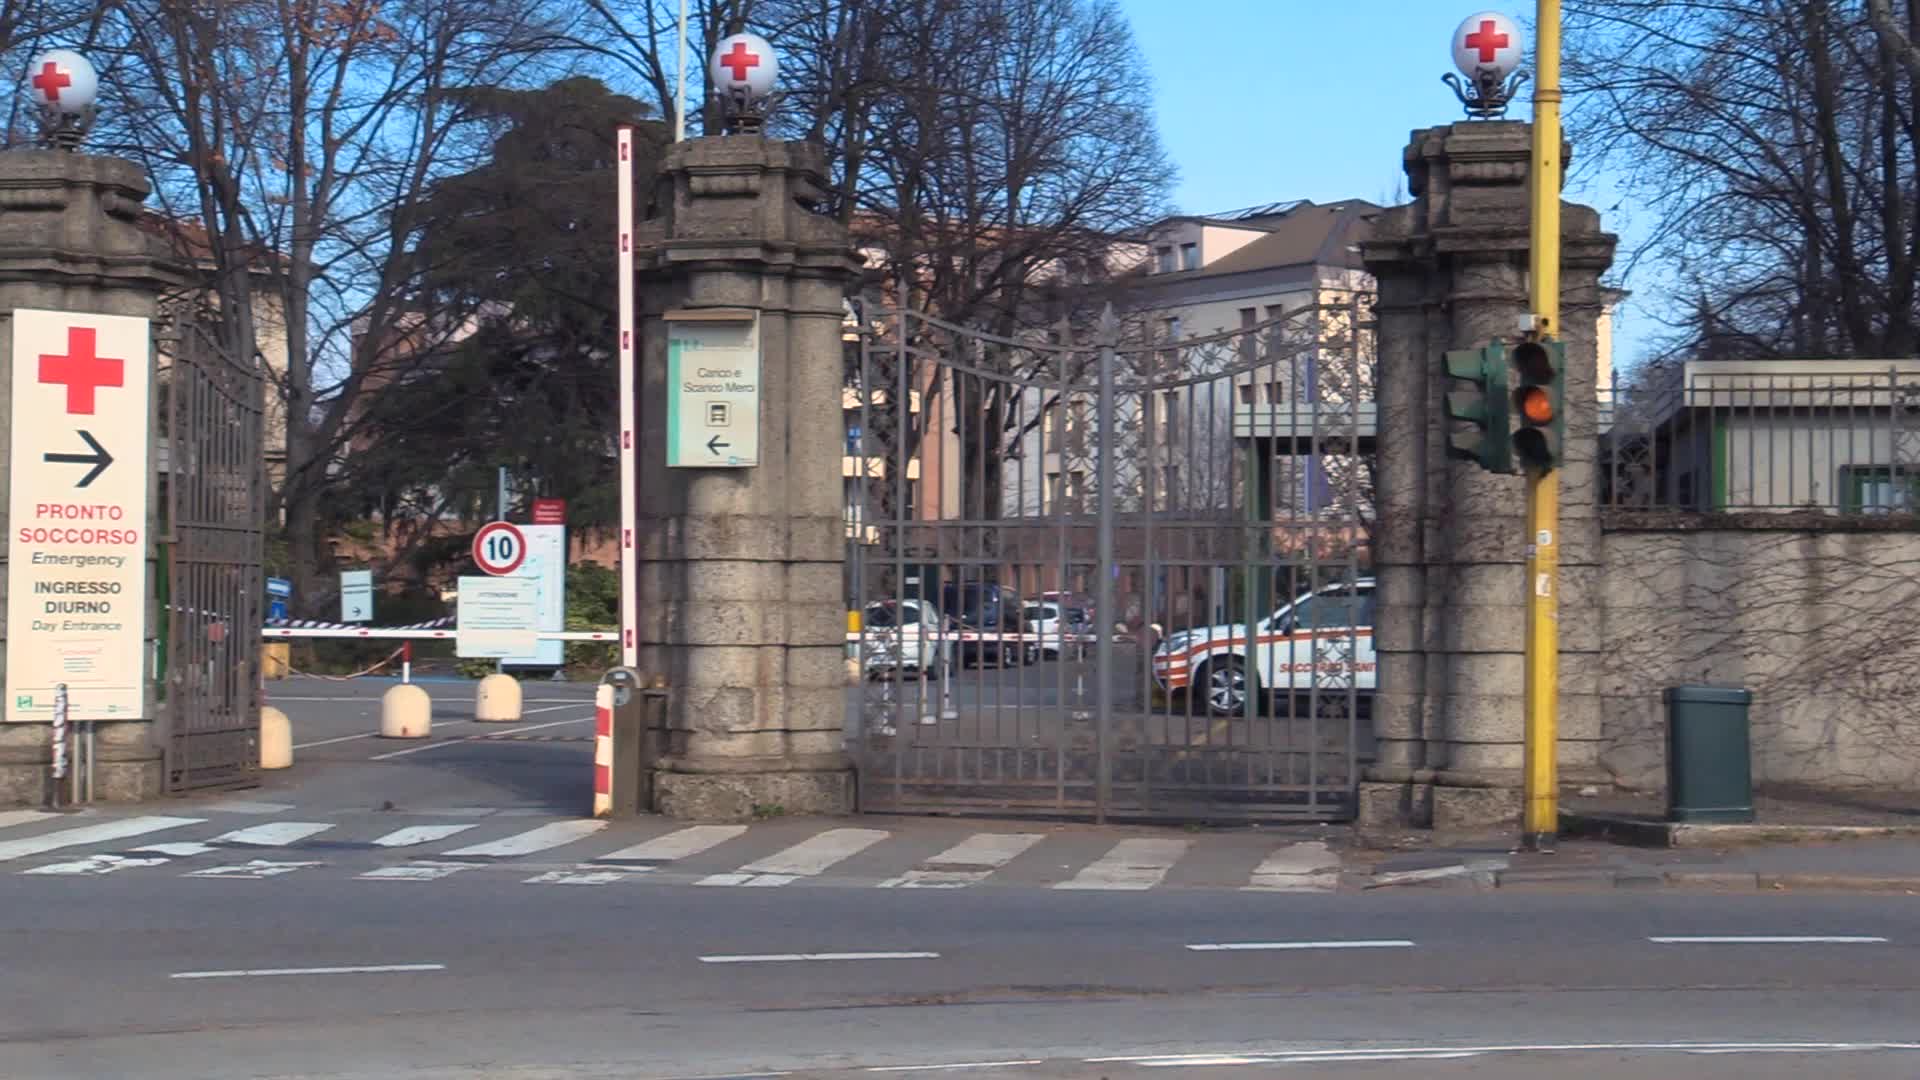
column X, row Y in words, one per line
column 499, row 548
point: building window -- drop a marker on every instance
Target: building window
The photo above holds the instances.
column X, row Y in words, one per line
column 1053, row 491
column 1246, row 393
column 1165, row 255
column 1170, row 485
column 1249, row 342
column 1170, row 416
column 1879, row 489
column 1170, row 328
column 1046, row 423
column 1076, row 486
column 1189, row 256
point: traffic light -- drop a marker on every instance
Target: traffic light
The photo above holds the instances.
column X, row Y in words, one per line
column 1539, row 400
column 1478, row 411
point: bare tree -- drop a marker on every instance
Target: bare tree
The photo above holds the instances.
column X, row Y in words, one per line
column 293, row 142
column 1774, row 141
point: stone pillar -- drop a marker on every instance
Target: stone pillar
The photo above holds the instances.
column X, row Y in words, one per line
column 1452, row 268
column 740, row 569
column 70, row 240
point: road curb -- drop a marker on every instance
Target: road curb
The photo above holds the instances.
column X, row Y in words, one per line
column 1544, row 879
column 1644, row 832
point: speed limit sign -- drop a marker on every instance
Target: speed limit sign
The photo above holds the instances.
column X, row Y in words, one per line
column 499, row 548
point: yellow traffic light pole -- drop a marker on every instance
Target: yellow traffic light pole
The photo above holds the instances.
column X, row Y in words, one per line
column 1542, row 813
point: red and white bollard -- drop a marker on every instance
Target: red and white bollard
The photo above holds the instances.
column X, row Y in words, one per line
column 602, row 751
column 406, row 662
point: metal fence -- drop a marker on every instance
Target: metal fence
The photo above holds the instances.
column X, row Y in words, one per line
column 214, row 490
column 1827, row 437
column 1076, row 555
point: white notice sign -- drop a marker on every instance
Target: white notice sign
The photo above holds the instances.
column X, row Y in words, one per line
column 495, row 617
column 713, row 389
column 546, row 566
column 356, row 596
column 76, row 559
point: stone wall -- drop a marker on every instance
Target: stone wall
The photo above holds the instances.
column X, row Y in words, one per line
column 1821, row 623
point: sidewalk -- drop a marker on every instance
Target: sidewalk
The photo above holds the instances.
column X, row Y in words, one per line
column 1800, row 840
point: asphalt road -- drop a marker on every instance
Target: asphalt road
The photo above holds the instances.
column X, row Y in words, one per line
column 176, row 977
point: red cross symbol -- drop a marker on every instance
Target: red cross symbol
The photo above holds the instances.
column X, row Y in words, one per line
column 739, row 60
column 50, row 81
column 1488, row 40
column 81, row 370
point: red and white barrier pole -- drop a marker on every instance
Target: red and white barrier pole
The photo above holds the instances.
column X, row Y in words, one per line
column 602, row 751
column 406, row 662
column 626, row 360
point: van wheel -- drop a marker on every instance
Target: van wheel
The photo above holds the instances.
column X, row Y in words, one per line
column 1226, row 684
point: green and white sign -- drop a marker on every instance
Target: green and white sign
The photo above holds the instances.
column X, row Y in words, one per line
column 713, row 389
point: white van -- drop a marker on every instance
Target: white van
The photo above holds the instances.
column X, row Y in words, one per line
column 1323, row 637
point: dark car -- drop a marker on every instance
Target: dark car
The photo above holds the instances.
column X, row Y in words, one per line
column 988, row 608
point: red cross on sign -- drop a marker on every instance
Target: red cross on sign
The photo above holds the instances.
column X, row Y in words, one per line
column 1488, row 40
column 51, row 80
column 739, row 60
column 81, row 370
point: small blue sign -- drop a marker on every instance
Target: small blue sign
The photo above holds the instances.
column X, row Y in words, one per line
column 279, row 591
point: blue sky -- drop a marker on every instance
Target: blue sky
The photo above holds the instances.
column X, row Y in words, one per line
column 1254, row 109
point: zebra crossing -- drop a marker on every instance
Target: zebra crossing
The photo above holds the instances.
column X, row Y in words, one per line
column 587, row 852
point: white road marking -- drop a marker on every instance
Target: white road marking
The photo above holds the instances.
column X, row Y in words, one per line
column 182, row 850
column 807, row 858
column 419, row 834
column 749, row 881
column 370, row 969
column 1349, row 1053
column 1770, row 940
column 416, row 872
column 273, row 834
column 91, row 834
column 551, row 835
column 1309, row 866
column 678, row 844
column 10, row 818
column 254, row 868
column 970, row 861
column 96, row 864
column 366, row 735
column 471, row 738
column 954, row 1065
column 1132, row 864
column 784, row 958
column 586, row 877
column 1265, row 946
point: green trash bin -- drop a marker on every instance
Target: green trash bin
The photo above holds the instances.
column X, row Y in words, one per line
column 1709, row 754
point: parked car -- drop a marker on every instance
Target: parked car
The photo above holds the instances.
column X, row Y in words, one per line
column 904, row 636
column 983, row 607
column 1322, row 639
column 1058, row 625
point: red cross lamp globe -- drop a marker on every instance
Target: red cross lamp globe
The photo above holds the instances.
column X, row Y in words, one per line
column 744, row 62
column 1488, row 40
column 62, row 80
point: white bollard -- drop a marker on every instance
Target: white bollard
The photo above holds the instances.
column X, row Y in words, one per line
column 276, row 739
column 405, row 713
column 497, row 700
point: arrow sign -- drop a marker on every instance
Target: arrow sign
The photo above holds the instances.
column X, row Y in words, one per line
column 714, row 444
column 99, row 459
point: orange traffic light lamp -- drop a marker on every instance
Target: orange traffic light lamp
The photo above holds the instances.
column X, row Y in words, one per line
column 1539, row 397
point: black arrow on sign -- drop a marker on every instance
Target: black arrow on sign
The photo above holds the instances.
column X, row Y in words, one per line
column 99, row 459
column 714, row 444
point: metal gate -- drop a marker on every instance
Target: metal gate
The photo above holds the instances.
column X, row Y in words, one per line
column 214, row 491
column 1109, row 573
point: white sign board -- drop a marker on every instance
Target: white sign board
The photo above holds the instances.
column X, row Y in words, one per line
column 494, row 618
column 713, row 389
column 76, row 559
column 356, row 596
column 546, row 566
